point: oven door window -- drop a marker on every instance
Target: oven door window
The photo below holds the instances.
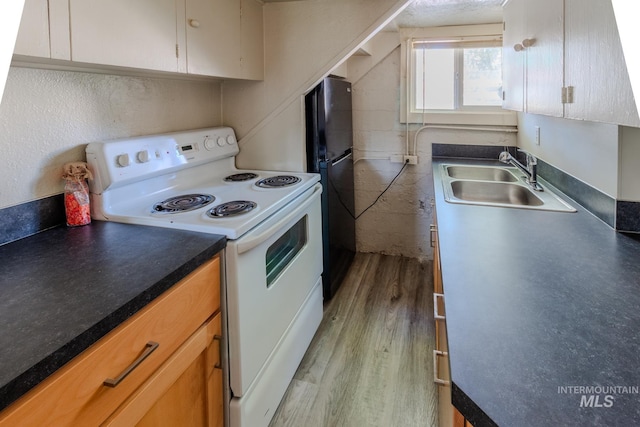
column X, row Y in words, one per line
column 283, row 250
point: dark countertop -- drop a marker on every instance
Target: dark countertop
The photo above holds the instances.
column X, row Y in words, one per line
column 63, row 289
column 539, row 304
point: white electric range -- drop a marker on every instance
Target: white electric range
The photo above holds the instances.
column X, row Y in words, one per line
column 273, row 260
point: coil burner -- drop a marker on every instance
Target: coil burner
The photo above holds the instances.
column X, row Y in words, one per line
column 278, row 181
column 233, row 208
column 238, row 177
column 183, row 203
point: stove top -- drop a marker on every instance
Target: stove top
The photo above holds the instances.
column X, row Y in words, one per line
column 180, row 179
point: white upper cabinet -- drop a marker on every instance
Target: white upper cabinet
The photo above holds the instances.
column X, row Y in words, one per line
column 513, row 57
column 564, row 59
column 33, row 35
column 251, row 40
column 126, row 33
column 595, row 67
column 213, row 37
column 224, row 38
column 533, row 56
column 544, row 23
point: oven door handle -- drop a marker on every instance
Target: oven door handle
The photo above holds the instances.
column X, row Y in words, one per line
column 252, row 242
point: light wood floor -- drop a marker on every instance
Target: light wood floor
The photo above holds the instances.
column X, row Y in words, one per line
column 370, row 363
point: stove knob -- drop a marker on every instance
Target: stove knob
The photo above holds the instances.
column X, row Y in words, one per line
column 221, row 142
column 143, row 156
column 209, row 143
column 231, row 139
column 123, row 160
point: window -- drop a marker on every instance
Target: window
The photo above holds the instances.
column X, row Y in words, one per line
column 283, row 250
column 453, row 75
column 457, row 78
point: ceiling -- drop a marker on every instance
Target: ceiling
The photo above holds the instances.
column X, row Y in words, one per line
column 433, row 13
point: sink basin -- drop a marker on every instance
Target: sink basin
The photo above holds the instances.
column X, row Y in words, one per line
column 494, row 192
column 485, row 173
column 496, row 186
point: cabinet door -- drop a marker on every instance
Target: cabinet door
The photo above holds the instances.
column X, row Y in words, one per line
column 544, row 66
column 213, row 37
column 595, row 65
column 126, row 33
column 513, row 58
column 33, row 35
column 252, row 41
column 186, row 390
column 76, row 395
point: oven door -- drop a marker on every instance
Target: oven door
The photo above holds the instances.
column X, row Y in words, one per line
column 271, row 270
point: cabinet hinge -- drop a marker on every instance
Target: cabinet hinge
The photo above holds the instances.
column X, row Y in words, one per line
column 177, row 51
column 567, row 95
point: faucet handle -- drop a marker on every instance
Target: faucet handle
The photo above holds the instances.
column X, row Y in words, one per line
column 531, row 159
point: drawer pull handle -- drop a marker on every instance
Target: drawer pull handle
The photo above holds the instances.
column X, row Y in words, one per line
column 437, row 315
column 432, row 230
column 436, row 379
column 149, row 348
column 219, row 339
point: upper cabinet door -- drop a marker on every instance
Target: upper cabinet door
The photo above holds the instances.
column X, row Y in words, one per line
column 213, row 37
column 127, row 33
column 252, row 40
column 513, row 56
column 33, row 35
column 544, row 57
column 595, row 65
column 533, row 56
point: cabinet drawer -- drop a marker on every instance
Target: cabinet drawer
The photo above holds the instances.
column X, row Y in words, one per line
column 76, row 394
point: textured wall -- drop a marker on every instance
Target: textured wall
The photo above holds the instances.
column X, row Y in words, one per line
column 399, row 223
column 47, row 118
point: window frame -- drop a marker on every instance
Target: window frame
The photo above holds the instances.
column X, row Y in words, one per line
column 449, row 37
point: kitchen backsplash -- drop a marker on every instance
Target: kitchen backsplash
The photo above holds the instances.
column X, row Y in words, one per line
column 26, row 219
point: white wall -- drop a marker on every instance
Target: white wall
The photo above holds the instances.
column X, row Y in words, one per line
column 10, row 13
column 399, row 223
column 629, row 159
column 586, row 150
column 304, row 40
column 47, row 118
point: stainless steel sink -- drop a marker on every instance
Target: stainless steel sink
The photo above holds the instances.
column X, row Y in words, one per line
column 496, row 186
column 494, row 192
column 485, row 173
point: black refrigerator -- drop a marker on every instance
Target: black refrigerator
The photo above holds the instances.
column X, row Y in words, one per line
column 329, row 138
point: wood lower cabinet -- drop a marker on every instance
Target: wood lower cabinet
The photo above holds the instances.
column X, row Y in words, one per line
column 448, row 415
column 170, row 350
column 186, row 390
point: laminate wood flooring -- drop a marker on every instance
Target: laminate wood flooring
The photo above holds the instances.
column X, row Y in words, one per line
column 371, row 362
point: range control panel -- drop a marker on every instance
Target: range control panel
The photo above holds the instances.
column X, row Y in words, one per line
column 122, row 161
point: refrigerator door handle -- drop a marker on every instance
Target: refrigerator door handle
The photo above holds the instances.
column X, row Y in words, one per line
column 344, row 157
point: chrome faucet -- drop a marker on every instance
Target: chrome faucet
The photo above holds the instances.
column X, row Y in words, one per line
column 530, row 170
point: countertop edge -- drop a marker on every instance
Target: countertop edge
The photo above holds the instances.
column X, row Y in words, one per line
column 37, row 373
column 460, row 398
